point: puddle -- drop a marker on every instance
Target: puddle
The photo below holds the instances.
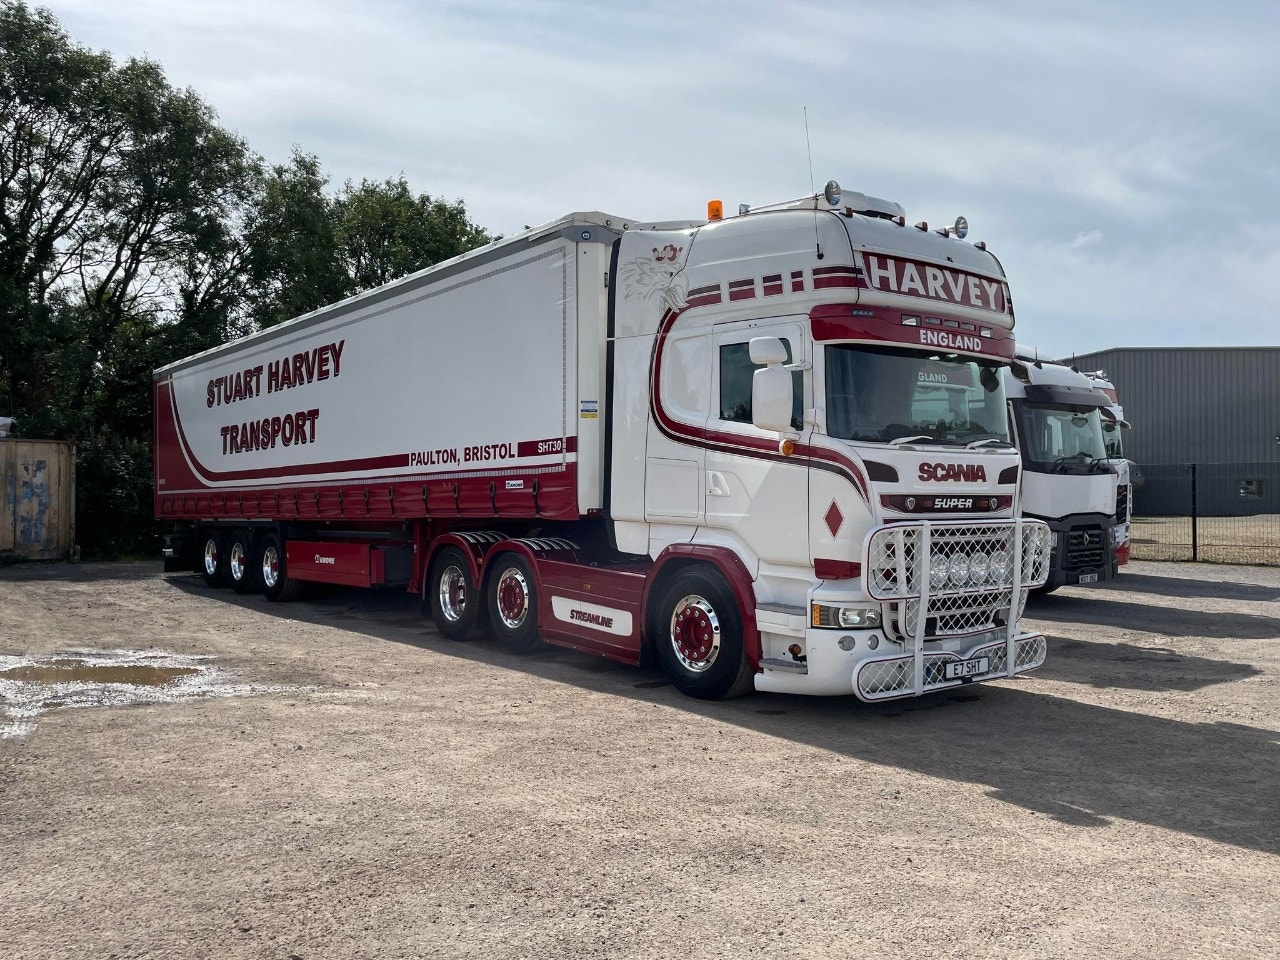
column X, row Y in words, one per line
column 32, row 686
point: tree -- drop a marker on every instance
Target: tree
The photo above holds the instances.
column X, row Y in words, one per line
column 384, row 232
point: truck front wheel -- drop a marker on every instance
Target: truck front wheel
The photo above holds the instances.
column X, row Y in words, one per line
column 696, row 633
column 276, row 582
column 213, row 565
column 451, row 595
column 513, row 604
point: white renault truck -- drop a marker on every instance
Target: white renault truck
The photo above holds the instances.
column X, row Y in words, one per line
column 1068, row 481
column 771, row 450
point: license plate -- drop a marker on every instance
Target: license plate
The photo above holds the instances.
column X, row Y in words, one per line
column 968, row 668
column 1088, row 578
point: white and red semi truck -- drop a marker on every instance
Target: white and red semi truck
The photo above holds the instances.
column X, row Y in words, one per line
column 1068, row 481
column 770, row 449
column 1114, row 426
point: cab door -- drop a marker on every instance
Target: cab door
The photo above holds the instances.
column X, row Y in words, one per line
column 754, row 494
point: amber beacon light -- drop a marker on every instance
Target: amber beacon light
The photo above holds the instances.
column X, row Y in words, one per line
column 715, row 209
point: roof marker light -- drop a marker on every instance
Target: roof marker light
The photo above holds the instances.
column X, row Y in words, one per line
column 984, row 331
column 744, row 209
column 910, row 320
column 980, row 244
column 922, row 225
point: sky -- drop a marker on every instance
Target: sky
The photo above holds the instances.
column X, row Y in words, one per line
column 1121, row 159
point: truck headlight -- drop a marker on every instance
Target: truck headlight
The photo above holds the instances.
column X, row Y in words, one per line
column 844, row 618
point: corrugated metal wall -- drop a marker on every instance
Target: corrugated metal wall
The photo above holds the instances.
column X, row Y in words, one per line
column 1196, row 404
column 37, row 499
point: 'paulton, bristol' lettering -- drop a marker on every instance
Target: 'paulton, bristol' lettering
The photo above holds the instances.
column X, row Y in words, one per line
column 319, row 363
column 968, row 472
column 934, row 283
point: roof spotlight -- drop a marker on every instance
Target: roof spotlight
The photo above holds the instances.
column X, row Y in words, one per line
column 961, row 229
column 831, row 193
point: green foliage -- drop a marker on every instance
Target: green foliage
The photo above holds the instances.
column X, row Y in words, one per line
column 135, row 230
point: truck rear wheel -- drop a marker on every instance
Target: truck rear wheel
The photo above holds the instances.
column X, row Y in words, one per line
column 696, row 633
column 276, row 582
column 242, row 568
column 513, row 604
column 451, row 596
column 213, row 565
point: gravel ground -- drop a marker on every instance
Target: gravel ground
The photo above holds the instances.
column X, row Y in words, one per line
column 373, row 790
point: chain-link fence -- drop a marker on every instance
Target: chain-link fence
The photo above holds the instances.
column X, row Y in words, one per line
column 1216, row 512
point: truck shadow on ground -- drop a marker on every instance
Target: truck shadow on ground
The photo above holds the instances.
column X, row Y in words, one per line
column 1082, row 764
column 1103, row 611
column 1124, row 665
column 1186, row 587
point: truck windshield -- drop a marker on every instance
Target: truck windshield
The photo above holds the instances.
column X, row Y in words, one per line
column 882, row 394
column 1058, row 438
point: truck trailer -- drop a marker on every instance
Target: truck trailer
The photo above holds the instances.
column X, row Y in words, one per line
column 769, row 450
column 1068, row 481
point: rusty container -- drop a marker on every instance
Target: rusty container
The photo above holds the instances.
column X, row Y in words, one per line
column 37, row 499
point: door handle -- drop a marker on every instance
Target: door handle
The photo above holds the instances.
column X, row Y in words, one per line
column 717, row 485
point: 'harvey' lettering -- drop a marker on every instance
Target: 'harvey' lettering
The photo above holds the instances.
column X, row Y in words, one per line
column 319, row 363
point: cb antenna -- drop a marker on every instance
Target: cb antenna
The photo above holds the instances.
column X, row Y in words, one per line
column 809, row 148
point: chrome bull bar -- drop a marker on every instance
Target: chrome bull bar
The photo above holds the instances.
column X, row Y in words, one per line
column 943, row 580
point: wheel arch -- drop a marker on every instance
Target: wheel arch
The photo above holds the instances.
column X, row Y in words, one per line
column 683, row 556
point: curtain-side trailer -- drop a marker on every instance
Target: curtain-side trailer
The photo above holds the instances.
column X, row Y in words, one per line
column 772, row 449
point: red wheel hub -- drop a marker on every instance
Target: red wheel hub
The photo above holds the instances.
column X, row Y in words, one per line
column 693, row 634
column 511, row 598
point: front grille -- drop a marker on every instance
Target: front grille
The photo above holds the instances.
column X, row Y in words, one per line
column 1084, row 548
column 894, row 676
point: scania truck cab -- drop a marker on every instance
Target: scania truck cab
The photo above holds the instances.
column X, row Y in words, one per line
column 1068, row 481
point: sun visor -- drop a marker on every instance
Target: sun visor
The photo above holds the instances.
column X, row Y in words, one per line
column 1065, row 396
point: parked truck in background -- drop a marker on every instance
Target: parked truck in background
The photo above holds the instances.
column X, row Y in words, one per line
column 771, row 449
column 1114, row 427
column 1067, row 480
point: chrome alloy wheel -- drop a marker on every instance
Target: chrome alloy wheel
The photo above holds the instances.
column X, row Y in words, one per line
column 453, row 593
column 695, row 633
column 238, row 563
column 210, row 557
column 270, row 566
column 513, row 598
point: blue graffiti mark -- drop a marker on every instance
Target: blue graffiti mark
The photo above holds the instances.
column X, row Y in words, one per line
column 35, row 491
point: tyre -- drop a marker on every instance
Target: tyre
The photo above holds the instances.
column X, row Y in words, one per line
column 696, row 634
column 1044, row 591
column 513, row 604
column 276, row 582
column 450, row 595
column 243, row 570
column 212, row 563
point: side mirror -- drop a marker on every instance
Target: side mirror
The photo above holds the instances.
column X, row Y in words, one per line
column 771, row 398
column 770, row 387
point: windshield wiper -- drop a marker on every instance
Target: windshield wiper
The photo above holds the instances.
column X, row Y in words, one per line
column 901, row 441
column 989, row 441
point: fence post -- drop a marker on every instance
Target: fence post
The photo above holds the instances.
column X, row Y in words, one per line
column 1195, row 525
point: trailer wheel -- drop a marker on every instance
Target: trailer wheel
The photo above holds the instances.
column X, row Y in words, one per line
column 451, row 597
column 513, row 604
column 276, row 582
column 213, row 565
column 242, row 567
column 696, row 633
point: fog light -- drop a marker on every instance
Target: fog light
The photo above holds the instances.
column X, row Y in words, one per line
column 847, row 643
column 939, row 570
column 1001, row 565
column 979, row 568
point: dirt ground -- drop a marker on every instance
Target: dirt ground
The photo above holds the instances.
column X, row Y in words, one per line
column 382, row 792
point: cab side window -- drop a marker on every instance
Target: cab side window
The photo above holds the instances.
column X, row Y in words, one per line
column 736, row 372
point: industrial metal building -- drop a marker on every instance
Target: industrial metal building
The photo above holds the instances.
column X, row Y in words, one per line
column 1215, row 407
